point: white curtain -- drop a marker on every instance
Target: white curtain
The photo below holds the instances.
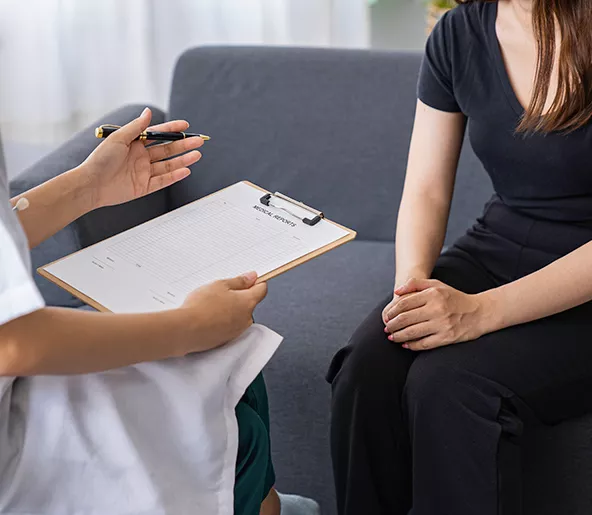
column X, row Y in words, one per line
column 64, row 63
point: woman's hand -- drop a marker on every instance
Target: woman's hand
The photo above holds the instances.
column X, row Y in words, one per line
column 121, row 169
column 427, row 313
column 389, row 307
column 399, row 282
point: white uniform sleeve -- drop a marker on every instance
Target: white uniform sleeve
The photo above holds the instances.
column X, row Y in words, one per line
column 19, row 295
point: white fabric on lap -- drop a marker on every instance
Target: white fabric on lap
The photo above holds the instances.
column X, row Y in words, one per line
column 152, row 439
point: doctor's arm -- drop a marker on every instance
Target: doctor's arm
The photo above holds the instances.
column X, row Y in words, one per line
column 69, row 341
column 119, row 170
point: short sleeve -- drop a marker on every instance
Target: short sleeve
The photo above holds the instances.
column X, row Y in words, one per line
column 19, row 295
column 435, row 87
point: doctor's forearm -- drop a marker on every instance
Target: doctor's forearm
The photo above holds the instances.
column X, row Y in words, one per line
column 54, row 204
column 66, row 341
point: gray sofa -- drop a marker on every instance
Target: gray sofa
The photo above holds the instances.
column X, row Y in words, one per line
column 330, row 128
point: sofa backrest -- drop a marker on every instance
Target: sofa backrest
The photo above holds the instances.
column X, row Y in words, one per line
column 328, row 127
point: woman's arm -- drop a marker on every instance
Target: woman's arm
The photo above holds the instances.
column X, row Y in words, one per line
column 423, row 215
column 68, row 341
column 562, row 285
column 119, row 170
column 432, row 314
column 427, row 313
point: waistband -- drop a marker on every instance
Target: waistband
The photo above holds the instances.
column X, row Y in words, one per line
column 549, row 236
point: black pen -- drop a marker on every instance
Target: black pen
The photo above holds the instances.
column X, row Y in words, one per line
column 105, row 130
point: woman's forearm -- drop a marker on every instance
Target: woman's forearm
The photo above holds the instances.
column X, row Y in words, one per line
column 68, row 341
column 433, row 158
column 562, row 285
column 54, row 204
column 421, row 228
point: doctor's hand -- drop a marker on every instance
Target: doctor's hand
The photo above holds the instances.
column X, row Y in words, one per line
column 427, row 313
column 121, row 169
column 222, row 311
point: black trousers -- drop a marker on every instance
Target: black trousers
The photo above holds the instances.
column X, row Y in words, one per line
column 438, row 432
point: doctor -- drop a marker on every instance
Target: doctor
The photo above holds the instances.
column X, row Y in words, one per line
column 50, row 356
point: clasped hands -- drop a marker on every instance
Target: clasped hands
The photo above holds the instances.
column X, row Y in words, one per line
column 426, row 313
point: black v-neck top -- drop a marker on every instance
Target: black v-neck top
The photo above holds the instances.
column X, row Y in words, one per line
column 546, row 176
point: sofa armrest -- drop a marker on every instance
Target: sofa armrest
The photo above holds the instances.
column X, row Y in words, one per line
column 94, row 226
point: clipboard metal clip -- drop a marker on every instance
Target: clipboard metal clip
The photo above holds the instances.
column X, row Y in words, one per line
column 266, row 200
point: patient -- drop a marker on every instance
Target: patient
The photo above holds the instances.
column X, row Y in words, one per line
column 61, row 368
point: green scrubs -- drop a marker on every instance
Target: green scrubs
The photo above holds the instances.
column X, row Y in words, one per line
column 254, row 470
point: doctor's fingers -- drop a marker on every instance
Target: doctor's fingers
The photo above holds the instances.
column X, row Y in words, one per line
column 168, row 150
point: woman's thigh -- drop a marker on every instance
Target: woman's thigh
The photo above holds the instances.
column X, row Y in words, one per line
column 370, row 368
column 370, row 361
column 546, row 363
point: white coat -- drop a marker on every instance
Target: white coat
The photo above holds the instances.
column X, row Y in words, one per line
column 152, row 439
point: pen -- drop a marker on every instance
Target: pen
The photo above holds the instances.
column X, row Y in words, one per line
column 21, row 204
column 105, row 130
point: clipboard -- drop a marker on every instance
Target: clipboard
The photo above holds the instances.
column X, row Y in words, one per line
column 294, row 213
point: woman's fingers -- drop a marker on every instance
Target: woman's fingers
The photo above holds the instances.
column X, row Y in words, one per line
column 164, row 167
column 409, row 318
column 168, row 150
column 407, row 303
column 159, row 182
column 387, row 308
column 427, row 343
column 414, row 285
column 413, row 332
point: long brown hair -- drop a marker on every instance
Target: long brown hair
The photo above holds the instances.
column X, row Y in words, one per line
column 572, row 106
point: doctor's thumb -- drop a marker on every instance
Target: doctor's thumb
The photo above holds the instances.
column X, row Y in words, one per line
column 242, row 282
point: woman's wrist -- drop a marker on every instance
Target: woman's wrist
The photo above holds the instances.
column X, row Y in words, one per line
column 414, row 273
column 490, row 312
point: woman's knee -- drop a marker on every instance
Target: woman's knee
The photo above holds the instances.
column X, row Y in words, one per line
column 435, row 385
column 370, row 363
